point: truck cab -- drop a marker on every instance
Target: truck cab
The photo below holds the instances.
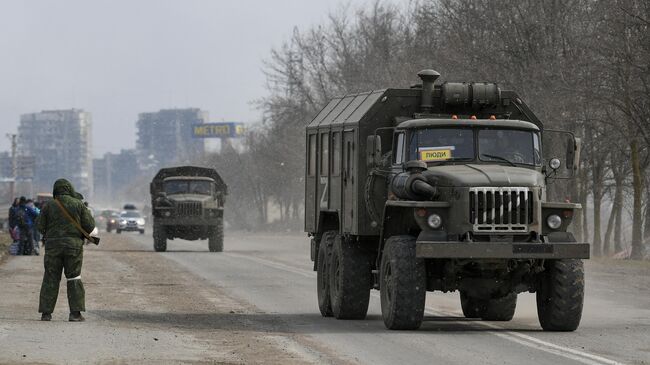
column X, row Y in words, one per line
column 492, row 171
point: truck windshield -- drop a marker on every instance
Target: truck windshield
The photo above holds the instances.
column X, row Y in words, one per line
column 509, row 145
column 442, row 144
column 188, row 187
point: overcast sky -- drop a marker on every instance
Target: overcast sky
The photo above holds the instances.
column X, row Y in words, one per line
column 119, row 58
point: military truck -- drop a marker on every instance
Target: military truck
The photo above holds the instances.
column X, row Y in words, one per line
column 441, row 187
column 187, row 202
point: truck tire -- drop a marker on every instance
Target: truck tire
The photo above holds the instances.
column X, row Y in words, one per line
column 472, row 307
column 350, row 280
column 159, row 239
column 499, row 309
column 560, row 295
column 403, row 280
column 215, row 242
column 322, row 273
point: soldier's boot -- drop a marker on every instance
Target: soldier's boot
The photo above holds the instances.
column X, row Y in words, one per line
column 46, row 317
column 76, row 317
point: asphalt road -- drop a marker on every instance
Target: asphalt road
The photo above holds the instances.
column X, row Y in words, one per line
column 274, row 274
column 256, row 303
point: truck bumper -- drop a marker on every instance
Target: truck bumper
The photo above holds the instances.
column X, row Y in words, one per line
column 185, row 221
column 502, row 250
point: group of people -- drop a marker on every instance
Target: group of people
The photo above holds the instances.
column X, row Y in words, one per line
column 23, row 214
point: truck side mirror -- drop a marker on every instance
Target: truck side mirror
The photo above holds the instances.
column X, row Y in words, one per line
column 373, row 151
column 577, row 143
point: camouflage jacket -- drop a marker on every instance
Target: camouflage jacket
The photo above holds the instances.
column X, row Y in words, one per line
column 53, row 224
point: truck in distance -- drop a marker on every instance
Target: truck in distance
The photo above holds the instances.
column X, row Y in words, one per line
column 441, row 187
column 187, row 202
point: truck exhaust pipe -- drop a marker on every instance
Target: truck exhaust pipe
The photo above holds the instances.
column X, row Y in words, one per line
column 428, row 78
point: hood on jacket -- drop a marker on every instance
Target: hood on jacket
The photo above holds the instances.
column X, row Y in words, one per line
column 64, row 187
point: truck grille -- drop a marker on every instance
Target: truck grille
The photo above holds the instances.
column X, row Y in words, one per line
column 189, row 209
column 500, row 209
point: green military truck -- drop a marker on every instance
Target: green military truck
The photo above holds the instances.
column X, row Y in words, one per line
column 441, row 187
column 187, row 202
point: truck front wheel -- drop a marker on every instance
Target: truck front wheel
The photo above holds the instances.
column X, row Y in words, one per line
column 322, row 273
column 215, row 242
column 159, row 239
column 402, row 284
column 560, row 295
column 350, row 279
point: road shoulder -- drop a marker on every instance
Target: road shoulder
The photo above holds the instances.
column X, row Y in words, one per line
column 142, row 308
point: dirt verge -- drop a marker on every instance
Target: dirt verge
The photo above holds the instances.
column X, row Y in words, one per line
column 141, row 309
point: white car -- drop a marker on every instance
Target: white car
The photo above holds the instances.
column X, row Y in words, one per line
column 131, row 220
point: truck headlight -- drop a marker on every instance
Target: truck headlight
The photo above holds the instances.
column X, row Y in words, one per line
column 554, row 221
column 434, row 221
column 167, row 213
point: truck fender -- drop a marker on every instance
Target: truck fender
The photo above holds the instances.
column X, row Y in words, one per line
column 394, row 221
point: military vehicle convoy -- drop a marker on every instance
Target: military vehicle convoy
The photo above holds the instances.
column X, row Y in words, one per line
column 441, row 187
column 187, row 202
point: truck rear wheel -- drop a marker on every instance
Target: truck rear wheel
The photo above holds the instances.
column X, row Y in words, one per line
column 215, row 242
column 322, row 273
column 159, row 239
column 350, row 280
column 402, row 284
column 560, row 295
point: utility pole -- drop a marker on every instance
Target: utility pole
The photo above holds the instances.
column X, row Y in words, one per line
column 14, row 165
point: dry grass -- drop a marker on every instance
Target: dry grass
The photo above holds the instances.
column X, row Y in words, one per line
column 5, row 241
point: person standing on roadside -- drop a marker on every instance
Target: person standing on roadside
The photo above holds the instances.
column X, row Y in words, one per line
column 12, row 213
column 13, row 229
column 37, row 234
column 25, row 217
column 63, row 242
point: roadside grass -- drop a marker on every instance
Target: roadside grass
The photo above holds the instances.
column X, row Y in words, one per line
column 5, row 241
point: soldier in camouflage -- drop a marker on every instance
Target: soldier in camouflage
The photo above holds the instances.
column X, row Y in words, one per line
column 63, row 244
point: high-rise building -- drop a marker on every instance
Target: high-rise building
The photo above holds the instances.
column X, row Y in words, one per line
column 60, row 144
column 165, row 137
column 114, row 174
column 6, row 166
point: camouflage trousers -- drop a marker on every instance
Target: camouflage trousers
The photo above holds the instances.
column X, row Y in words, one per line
column 69, row 260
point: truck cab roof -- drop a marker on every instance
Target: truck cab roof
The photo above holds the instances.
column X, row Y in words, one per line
column 192, row 178
column 502, row 123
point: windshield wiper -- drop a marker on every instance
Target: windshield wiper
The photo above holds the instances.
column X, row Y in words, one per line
column 500, row 158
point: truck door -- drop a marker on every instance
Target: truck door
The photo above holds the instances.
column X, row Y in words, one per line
column 349, row 184
column 564, row 147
